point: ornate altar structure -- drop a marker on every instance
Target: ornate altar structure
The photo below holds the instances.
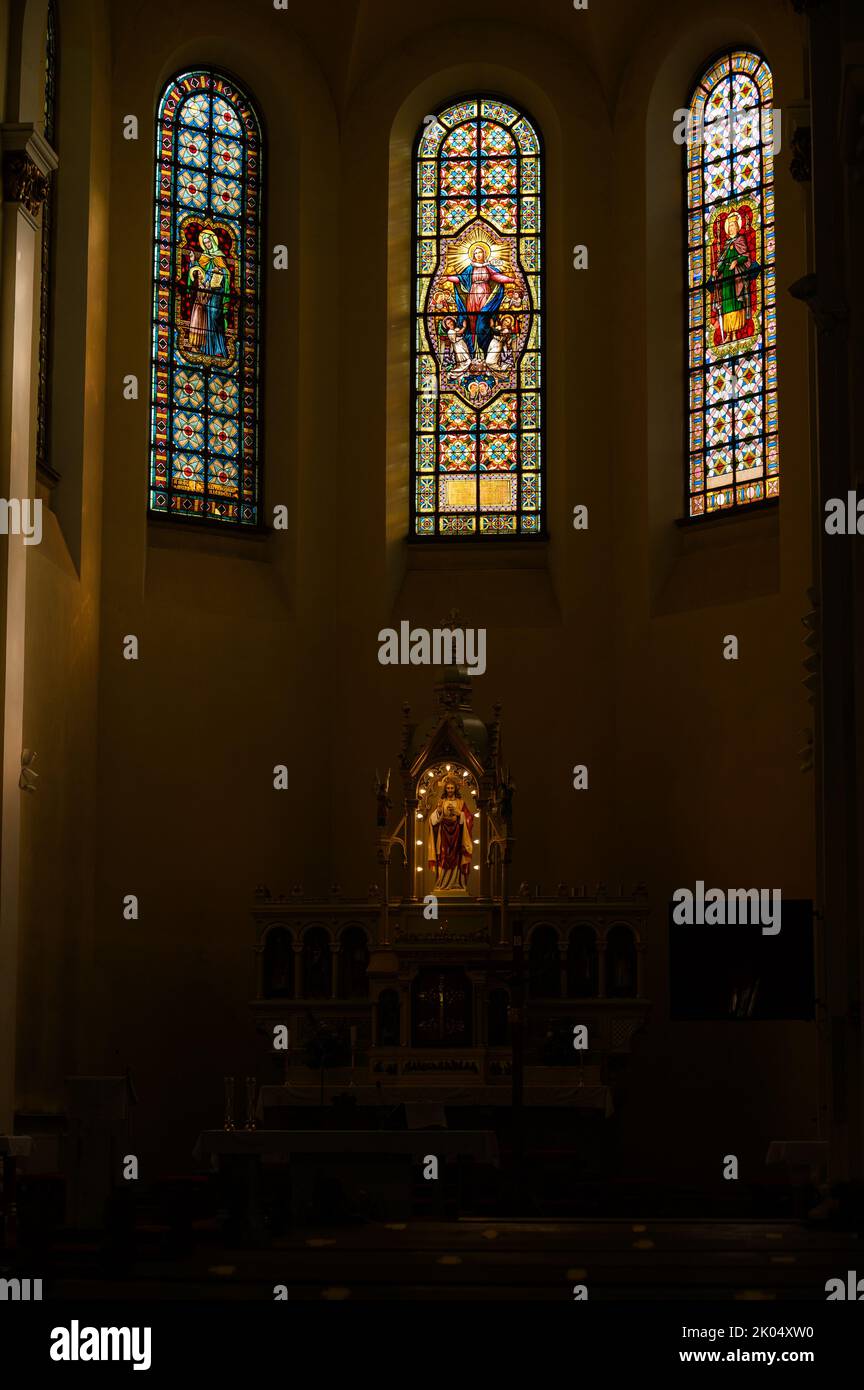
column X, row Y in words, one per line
column 443, row 984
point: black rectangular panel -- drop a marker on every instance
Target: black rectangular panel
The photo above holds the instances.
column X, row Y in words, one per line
column 738, row 974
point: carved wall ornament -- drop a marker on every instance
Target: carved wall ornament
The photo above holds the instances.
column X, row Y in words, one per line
column 23, row 181
column 826, row 317
column 28, row 778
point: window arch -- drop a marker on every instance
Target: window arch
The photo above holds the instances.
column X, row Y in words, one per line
column 477, row 393
column 205, row 460
column 731, row 329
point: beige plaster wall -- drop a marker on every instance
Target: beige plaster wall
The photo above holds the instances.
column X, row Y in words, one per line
column 605, row 646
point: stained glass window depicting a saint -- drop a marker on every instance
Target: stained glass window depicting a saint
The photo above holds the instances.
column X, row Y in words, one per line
column 731, row 325
column 477, row 397
column 205, row 461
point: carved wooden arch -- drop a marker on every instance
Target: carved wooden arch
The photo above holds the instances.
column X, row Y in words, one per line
column 270, row 927
column 463, row 754
column 594, row 927
column 327, row 928
column 621, row 922
column 354, row 926
column 540, row 926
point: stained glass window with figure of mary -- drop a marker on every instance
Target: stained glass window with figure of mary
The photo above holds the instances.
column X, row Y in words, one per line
column 477, row 394
column 733, row 450
column 205, row 440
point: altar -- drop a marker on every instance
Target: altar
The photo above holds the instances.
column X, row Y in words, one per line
column 274, row 1100
column 372, row 1170
column 446, row 983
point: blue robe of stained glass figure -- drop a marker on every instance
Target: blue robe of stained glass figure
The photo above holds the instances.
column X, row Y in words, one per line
column 479, row 293
column 210, row 278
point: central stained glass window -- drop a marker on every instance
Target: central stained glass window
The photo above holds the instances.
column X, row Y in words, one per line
column 477, row 400
column 204, row 461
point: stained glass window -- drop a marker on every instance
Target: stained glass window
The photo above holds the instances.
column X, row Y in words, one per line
column 46, row 254
column 731, row 328
column 205, row 461
column 477, row 400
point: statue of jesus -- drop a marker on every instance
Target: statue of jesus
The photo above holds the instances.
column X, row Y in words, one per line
column 450, row 846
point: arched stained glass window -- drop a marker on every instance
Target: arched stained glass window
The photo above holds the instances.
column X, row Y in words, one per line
column 205, row 461
column 732, row 330
column 477, row 397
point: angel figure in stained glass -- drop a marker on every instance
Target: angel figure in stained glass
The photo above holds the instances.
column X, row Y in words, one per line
column 456, row 357
column 499, row 355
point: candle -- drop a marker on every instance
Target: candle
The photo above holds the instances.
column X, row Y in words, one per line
column 353, row 1035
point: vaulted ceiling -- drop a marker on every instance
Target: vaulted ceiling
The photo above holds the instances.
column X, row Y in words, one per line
column 348, row 36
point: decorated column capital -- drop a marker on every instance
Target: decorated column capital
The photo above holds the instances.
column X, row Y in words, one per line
column 28, row 163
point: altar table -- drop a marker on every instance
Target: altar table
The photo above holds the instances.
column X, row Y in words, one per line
column 380, row 1159
column 438, row 1093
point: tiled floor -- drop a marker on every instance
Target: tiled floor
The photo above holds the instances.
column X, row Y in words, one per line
column 476, row 1259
